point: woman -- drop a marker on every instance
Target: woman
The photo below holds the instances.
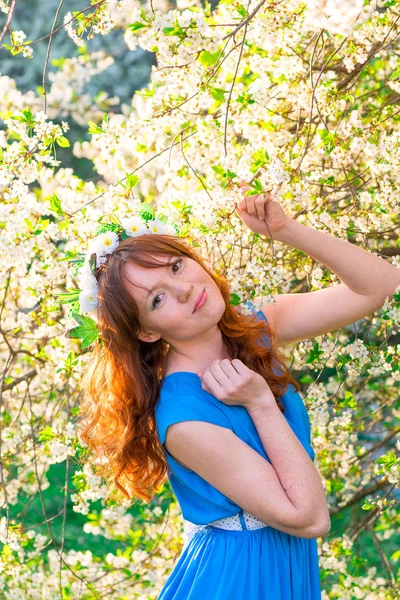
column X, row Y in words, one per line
column 185, row 385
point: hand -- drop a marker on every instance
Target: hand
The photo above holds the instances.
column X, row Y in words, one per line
column 235, row 384
column 257, row 210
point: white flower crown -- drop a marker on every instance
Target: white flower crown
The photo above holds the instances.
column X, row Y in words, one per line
column 104, row 244
column 109, row 235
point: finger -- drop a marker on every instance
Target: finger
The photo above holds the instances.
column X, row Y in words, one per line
column 239, row 366
column 253, row 203
column 219, row 373
column 244, row 187
column 211, row 383
column 242, row 204
column 260, row 207
column 228, row 368
column 205, row 388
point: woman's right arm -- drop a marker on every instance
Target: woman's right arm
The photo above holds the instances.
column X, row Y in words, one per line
column 296, row 471
column 291, row 501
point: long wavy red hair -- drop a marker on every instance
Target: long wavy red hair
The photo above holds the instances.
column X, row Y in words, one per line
column 121, row 382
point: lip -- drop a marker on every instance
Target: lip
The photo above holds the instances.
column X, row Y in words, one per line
column 201, row 300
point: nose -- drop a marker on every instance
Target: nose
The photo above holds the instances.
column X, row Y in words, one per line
column 186, row 292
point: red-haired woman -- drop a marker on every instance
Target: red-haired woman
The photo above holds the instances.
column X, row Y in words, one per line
column 186, row 386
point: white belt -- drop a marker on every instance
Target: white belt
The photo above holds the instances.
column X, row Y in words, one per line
column 233, row 523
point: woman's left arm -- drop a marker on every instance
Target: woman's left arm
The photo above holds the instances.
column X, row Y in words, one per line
column 363, row 272
column 366, row 279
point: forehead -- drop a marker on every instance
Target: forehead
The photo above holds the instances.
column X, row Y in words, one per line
column 141, row 279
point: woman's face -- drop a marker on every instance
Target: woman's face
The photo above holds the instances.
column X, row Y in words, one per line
column 167, row 297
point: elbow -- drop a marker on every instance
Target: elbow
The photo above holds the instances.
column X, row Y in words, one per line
column 322, row 527
column 310, row 527
column 316, row 526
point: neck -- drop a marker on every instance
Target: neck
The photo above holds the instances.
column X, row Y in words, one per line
column 195, row 358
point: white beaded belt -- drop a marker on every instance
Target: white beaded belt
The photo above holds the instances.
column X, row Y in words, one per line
column 236, row 524
column 242, row 521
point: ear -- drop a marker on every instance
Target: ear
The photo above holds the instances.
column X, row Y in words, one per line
column 148, row 337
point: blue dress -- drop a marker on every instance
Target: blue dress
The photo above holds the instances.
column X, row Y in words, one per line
column 222, row 564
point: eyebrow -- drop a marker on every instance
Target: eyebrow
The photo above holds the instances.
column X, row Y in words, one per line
column 156, row 286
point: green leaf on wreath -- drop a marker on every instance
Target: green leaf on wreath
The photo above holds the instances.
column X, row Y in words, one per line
column 87, row 330
column 71, row 296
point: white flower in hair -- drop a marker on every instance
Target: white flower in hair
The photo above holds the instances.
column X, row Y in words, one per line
column 108, row 241
column 105, row 243
column 133, row 226
column 88, row 300
column 86, row 278
column 89, row 288
column 157, row 226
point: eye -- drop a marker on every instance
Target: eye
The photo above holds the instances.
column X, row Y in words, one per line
column 153, row 304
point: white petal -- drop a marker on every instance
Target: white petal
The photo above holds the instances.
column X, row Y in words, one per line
column 88, row 300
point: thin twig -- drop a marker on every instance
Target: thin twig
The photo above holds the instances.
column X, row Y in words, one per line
column 64, row 24
column 194, row 172
column 40, row 489
column 231, row 90
column 48, row 54
column 382, row 555
column 311, row 107
column 245, row 21
column 9, row 17
column 123, row 179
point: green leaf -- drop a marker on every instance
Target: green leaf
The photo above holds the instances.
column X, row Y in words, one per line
column 46, row 434
column 314, row 354
column 224, row 176
column 176, row 30
column 242, row 11
column 28, row 115
column 93, row 128
column 29, row 224
column 71, row 296
column 41, row 226
column 329, row 140
column 132, row 180
column 137, row 26
column 146, row 210
column 208, row 59
column 388, row 459
column 87, row 331
column 63, row 142
column 395, row 556
column 66, row 593
column 218, row 94
column 235, row 300
column 55, row 205
column 348, row 401
column 256, row 188
column 260, row 158
column 306, row 379
column 218, row 170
